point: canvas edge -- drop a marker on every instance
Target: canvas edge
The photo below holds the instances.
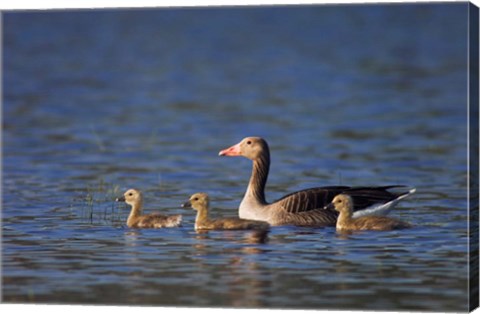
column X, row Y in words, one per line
column 473, row 151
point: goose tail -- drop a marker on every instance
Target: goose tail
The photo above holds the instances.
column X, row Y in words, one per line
column 382, row 209
column 175, row 221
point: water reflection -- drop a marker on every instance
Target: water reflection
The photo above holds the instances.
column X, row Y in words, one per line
column 344, row 234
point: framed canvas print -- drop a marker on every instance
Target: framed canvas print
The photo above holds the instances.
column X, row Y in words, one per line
column 318, row 156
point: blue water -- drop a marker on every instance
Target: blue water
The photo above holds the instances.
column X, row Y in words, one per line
column 96, row 102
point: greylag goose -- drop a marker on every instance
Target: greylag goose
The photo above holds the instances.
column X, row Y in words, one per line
column 345, row 222
column 200, row 203
column 306, row 207
column 134, row 198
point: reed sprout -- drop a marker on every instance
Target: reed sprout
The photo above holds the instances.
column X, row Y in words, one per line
column 99, row 206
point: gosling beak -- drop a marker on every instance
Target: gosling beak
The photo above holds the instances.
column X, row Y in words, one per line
column 187, row 204
column 120, row 199
column 329, row 207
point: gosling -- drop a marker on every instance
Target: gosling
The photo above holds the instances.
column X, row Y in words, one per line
column 200, row 203
column 134, row 198
column 344, row 205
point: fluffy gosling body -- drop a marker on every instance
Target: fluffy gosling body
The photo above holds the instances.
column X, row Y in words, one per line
column 200, row 203
column 134, row 198
column 344, row 205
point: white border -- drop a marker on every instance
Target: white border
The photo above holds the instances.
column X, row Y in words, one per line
column 86, row 4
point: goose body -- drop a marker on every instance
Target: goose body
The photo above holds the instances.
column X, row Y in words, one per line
column 200, row 203
column 134, row 198
column 306, row 207
column 344, row 205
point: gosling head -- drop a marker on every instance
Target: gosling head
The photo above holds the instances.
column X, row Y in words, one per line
column 197, row 201
column 131, row 197
column 341, row 203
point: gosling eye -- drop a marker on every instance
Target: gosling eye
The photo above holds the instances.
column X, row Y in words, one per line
column 195, row 199
column 249, row 142
column 339, row 201
column 130, row 194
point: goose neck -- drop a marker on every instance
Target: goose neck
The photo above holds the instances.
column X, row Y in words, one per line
column 135, row 212
column 202, row 216
column 258, row 179
column 344, row 218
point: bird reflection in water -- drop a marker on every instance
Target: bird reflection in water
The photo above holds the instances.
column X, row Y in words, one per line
column 245, row 280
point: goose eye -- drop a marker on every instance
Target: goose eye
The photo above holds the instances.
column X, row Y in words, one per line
column 130, row 194
column 339, row 201
column 249, row 142
column 195, row 199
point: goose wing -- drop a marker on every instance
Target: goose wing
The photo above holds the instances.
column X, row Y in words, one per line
column 317, row 198
column 364, row 197
column 309, row 199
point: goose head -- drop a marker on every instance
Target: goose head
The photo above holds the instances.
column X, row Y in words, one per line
column 197, row 201
column 131, row 197
column 250, row 147
column 341, row 203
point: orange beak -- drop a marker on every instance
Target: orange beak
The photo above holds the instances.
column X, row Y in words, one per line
column 231, row 151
